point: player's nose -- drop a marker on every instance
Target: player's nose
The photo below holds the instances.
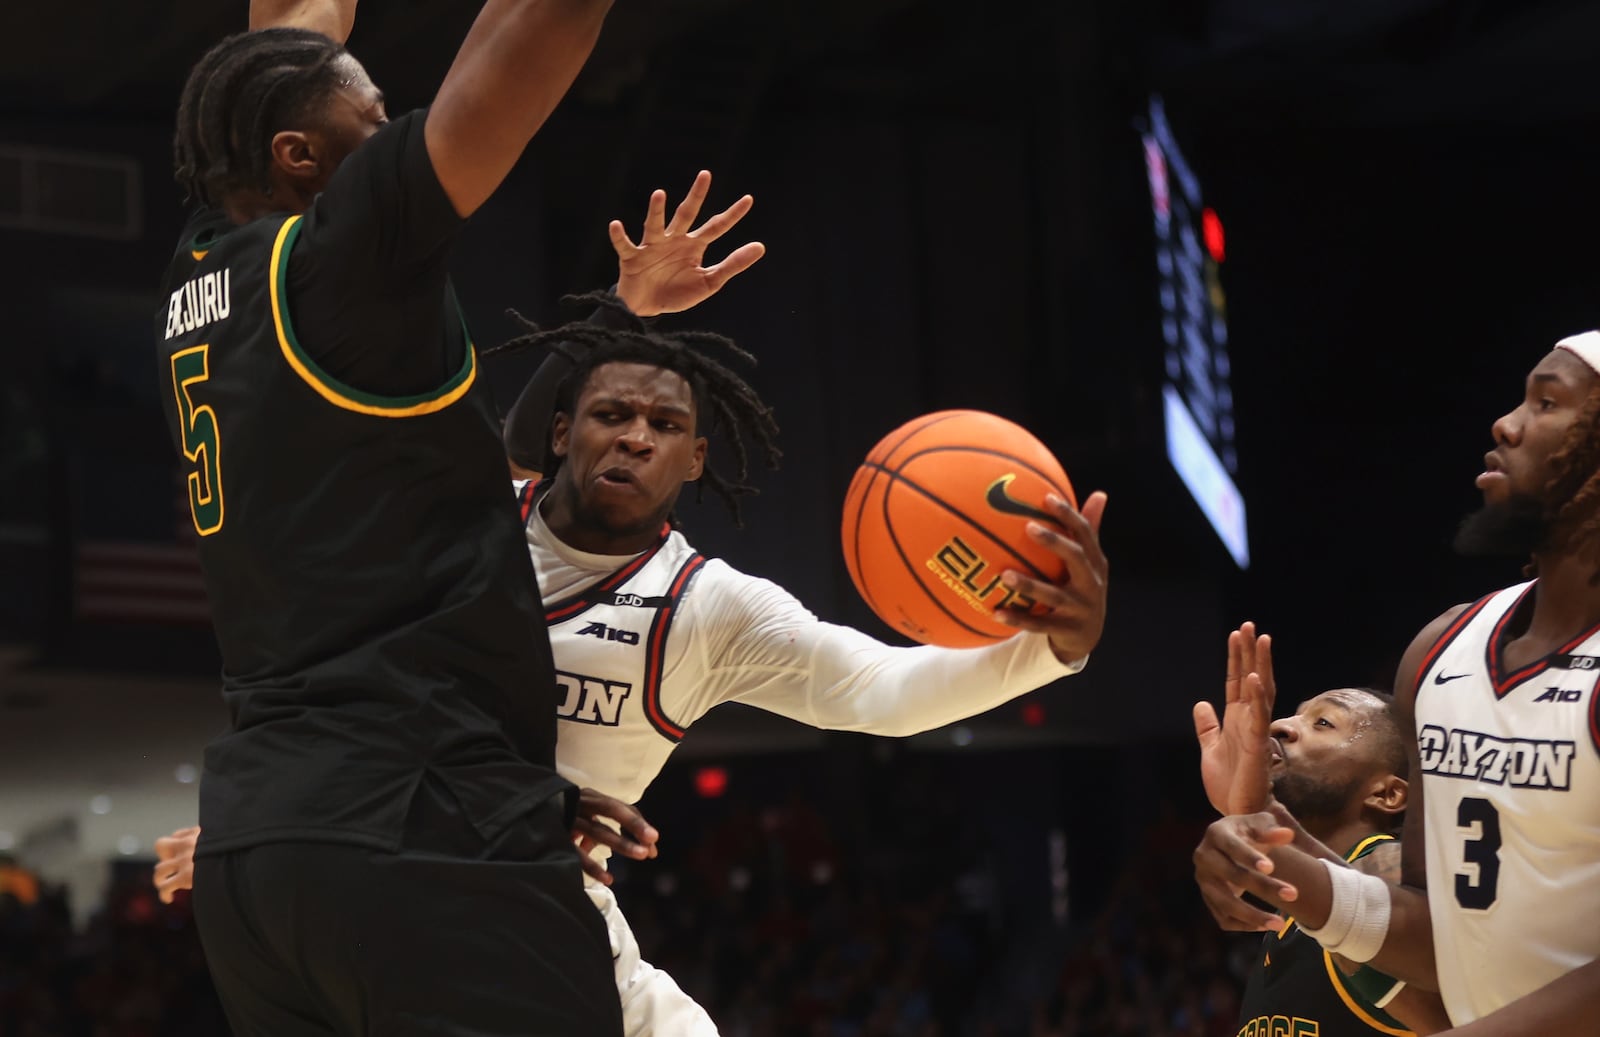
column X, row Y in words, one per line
column 1506, row 430
column 636, row 436
column 1285, row 728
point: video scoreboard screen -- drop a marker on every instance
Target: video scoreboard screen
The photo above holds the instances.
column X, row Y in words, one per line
column 1197, row 397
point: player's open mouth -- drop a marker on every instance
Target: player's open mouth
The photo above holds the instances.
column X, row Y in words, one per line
column 617, row 477
column 1276, row 755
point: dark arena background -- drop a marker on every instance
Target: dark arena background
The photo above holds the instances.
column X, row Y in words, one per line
column 1265, row 272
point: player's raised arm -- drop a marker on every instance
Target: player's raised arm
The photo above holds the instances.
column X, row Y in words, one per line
column 513, row 68
column 333, row 18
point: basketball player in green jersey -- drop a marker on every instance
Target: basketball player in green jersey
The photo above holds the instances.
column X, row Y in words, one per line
column 1340, row 765
column 389, row 765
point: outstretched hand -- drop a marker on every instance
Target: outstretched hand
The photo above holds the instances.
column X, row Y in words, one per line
column 637, row 839
column 665, row 271
column 1235, row 754
column 1077, row 604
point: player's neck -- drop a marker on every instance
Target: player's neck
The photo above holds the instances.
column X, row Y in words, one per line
column 1339, row 834
column 1566, row 600
column 246, row 206
column 561, row 514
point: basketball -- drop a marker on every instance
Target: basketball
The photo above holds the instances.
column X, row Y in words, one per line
column 937, row 512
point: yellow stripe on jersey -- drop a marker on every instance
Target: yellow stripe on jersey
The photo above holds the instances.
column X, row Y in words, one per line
column 1337, row 979
column 1364, row 844
column 330, row 388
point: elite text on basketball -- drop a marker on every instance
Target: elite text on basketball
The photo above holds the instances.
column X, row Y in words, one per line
column 963, row 570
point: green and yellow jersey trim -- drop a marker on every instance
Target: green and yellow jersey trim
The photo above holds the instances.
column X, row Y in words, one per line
column 1336, row 977
column 330, row 388
column 201, row 244
column 1367, row 844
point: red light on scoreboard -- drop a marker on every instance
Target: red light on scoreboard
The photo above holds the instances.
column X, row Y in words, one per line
column 710, row 782
column 1033, row 714
column 1211, row 227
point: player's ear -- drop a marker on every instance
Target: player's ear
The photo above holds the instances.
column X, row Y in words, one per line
column 1389, row 796
column 560, row 434
column 697, row 464
column 294, row 153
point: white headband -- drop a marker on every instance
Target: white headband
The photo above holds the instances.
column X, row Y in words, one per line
column 1585, row 347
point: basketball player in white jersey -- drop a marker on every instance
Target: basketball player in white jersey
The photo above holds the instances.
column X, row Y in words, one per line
column 1500, row 907
column 648, row 635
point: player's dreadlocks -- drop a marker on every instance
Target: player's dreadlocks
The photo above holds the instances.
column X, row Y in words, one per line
column 732, row 404
column 245, row 89
column 1573, row 491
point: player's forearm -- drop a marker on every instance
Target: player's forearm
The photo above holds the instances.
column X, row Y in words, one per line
column 884, row 690
column 1569, row 1005
column 527, row 428
column 332, row 18
column 515, row 65
column 1407, row 950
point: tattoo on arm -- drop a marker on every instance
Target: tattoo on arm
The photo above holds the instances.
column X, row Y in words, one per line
column 1383, row 861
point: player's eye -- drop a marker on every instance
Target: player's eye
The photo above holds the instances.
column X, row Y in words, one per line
column 1323, row 722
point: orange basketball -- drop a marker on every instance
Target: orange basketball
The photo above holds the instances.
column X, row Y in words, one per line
column 936, row 513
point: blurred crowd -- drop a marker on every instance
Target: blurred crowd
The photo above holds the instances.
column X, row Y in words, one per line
column 135, row 970
column 781, row 916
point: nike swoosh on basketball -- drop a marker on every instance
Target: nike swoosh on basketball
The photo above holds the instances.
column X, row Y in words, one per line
column 1000, row 499
column 1440, row 678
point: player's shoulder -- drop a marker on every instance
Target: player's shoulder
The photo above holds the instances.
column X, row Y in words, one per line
column 716, row 578
column 1432, row 638
column 396, row 152
column 742, row 601
column 1436, row 627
